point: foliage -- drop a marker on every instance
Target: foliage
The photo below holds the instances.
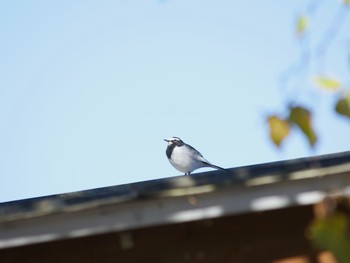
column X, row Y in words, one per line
column 279, row 129
column 343, row 105
column 302, row 25
column 328, row 83
column 332, row 233
column 301, row 117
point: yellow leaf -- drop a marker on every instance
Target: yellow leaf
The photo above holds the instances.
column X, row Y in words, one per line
column 279, row 129
column 343, row 106
column 327, row 83
column 302, row 24
column 347, row 2
column 303, row 119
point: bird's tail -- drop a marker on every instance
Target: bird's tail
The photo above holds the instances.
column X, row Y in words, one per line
column 217, row 167
column 220, row 168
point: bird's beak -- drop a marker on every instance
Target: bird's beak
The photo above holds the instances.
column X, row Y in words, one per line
column 166, row 140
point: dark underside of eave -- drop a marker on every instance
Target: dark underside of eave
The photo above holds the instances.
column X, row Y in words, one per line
column 249, row 238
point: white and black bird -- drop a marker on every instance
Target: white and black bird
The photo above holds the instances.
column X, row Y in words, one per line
column 185, row 158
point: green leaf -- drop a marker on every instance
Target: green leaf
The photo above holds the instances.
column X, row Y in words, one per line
column 343, row 106
column 302, row 25
column 328, row 83
column 332, row 233
column 303, row 119
column 279, row 129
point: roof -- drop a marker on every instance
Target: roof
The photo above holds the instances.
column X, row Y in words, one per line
column 173, row 200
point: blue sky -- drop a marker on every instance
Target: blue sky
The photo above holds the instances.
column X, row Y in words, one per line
column 89, row 89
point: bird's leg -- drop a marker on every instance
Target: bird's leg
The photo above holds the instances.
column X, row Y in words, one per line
column 188, row 173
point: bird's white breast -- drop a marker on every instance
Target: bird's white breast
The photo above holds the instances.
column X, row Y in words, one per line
column 183, row 159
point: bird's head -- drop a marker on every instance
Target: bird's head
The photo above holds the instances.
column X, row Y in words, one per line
column 174, row 140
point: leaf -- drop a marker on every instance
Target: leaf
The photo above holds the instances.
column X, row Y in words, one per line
column 327, row 83
column 303, row 119
column 332, row 233
column 279, row 129
column 302, row 25
column 343, row 106
column 346, row 2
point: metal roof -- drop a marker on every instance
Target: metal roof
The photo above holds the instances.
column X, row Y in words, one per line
column 176, row 199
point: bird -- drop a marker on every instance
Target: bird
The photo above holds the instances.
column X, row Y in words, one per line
column 185, row 158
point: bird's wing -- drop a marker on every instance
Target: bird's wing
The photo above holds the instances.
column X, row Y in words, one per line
column 195, row 151
column 205, row 161
column 200, row 156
